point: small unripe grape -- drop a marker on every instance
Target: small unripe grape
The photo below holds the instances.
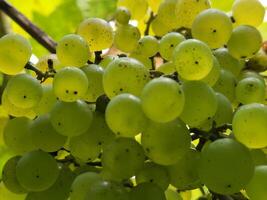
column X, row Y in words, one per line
column 123, row 15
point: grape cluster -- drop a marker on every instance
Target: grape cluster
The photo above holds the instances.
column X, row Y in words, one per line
column 177, row 109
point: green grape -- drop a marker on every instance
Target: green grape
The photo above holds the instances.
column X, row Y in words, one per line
column 122, row 15
column 71, row 119
column 154, row 5
column 258, row 156
column 82, row 184
column 37, row 171
column 213, row 27
column 183, row 173
column 125, row 75
column 138, row 8
column 153, row 173
column 227, row 61
column 89, row 145
column 17, row 135
column 24, row 91
column 7, row 195
column 147, row 46
column 245, row 42
column 258, row 62
column 247, row 12
column 43, row 62
column 94, row 75
column 200, row 103
column 187, row 10
column 15, row 52
column 249, row 125
column 158, row 27
column 251, row 74
column 70, row 84
column 44, row 136
column 162, row 100
column 226, row 84
column 250, row 90
column 166, row 143
column 72, row 50
column 146, row 61
column 168, row 43
column 9, row 176
column 167, row 68
column 106, row 60
column 97, row 32
column 172, row 195
column 193, row 59
column 256, row 189
column 214, row 73
column 123, row 158
column 226, row 166
column 222, row 5
column 147, row 191
column 126, row 38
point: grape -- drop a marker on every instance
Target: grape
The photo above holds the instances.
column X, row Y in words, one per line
column 147, row 191
column 213, row 27
column 226, row 166
column 72, row 50
column 154, row 5
column 7, row 195
column 245, row 42
column 37, row 171
column 193, row 59
column 258, row 156
column 15, row 52
column 147, row 46
column 166, row 143
column 106, row 60
column 158, row 27
column 123, row 158
column 70, row 84
column 172, row 195
column 122, row 15
column 43, row 61
column 258, row 62
column 9, row 176
column 162, row 100
column 17, row 135
column 146, row 61
column 247, row 12
column 167, row 68
column 125, row 75
column 214, row 73
column 251, row 74
column 200, row 103
column 44, row 136
column 24, row 91
column 187, row 10
column 138, row 8
column 153, row 173
column 97, row 32
column 71, row 119
column 168, row 43
column 94, row 75
column 249, row 125
column 126, row 38
column 183, row 173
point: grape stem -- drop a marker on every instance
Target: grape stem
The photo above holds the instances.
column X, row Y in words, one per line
column 148, row 23
column 41, row 76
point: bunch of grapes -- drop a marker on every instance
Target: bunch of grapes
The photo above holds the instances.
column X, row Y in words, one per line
column 117, row 114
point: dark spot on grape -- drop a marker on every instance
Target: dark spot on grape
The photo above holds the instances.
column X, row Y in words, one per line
column 232, row 19
column 214, row 31
column 99, row 143
column 172, row 45
column 24, row 97
column 37, row 176
column 196, row 62
column 127, row 150
column 147, row 150
column 121, row 89
column 179, row 91
column 243, row 57
column 75, row 92
column 67, row 91
column 59, row 123
column 225, row 46
column 209, row 118
column 66, row 45
column 229, row 186
column 151, row 180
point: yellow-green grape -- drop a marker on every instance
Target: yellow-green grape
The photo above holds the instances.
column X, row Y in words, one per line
column 258, row 62
column 258, row 156
column 200, row 103
column 166, row 143
column 256, row 189
column 147, row 46
column 17, row 135
column 147, row 191
column 249, row 125
column 44, row 62
column 251, row 74
column 213, row 27
column 158, row 27
column 154, row 5
column 44, row 136
column 172, row 194
column 168, row 43
column 245, row 42
column 106, row 60
column 227, row 161
column 70, row 84
column 72, row 50
column 146, row 61
column 214, row 74
column 89, row 145
column 138, row 8
column 162, row 100
column 97, row 32
column 126, row 38
column 15, row 52
column 24, row 91
column 123, row 158
column 71, row 119
column 224, row 113
column 9, row 176
column 187, row 10
column 247, row 12
column 125, row 75
column 95, row 88
column 193, row 59
column 222, row 5
column 183, row 173
column 124, row 115
column 226, row 84
column 167, row 68
column 47, row 101
column 82, row 184
column 250, row 90
column 153, row 173
column 122, row 15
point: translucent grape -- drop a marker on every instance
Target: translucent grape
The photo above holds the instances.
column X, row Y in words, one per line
column 167, row 68
column 258, row 156
column 122, row 15
column 147, row 46
column 147, row 191
column 106, row 60
column 158, row 27
column 138, row 8
column 214, row 73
